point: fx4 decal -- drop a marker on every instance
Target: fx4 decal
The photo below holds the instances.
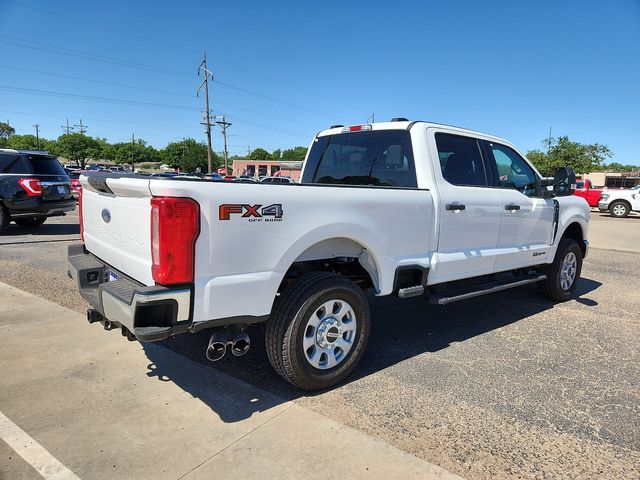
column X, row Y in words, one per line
column 254, row 213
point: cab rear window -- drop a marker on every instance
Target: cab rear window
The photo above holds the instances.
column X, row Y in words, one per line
column 375, row 158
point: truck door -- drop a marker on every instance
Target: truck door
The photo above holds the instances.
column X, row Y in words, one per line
column 527, row 218
column 468, row 210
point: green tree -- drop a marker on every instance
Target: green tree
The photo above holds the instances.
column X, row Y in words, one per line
column 583, row 158
column 6, row 130
column 259, row 154
column 77, row 147
column 23, row 142
column 276, row 154
column 188, row 155
column 136, row 152
column 295, row 154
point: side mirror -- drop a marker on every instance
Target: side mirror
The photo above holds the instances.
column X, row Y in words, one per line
column 564, row 182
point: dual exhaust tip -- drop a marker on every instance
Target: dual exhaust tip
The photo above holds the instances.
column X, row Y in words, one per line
column 235, row 340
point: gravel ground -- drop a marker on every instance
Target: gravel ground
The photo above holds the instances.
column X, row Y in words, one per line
column 502, row 386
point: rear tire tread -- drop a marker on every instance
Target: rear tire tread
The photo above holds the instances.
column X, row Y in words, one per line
column 280, row 335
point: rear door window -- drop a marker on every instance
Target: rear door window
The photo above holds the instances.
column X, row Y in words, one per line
column 461, row 160
column 377, row 158
column 13, row 163
column 45, row 165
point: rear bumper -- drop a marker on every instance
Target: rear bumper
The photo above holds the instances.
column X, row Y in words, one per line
column 36, row 207
column 148, row 313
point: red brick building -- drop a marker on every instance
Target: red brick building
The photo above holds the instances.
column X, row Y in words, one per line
column 266, row 168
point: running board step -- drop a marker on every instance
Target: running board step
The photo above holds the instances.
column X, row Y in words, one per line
column 411, row 291
column 443, row 300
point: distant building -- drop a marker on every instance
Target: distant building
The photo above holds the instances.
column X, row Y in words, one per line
column 266, row 168
column 614, row 179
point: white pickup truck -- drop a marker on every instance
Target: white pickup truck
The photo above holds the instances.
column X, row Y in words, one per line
column 401, row 208
column 619, row 203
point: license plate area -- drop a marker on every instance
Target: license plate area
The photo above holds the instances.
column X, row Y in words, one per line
column 62, row 190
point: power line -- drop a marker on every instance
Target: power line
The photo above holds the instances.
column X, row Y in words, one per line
column 95, row 80
column 136, row 65
column 134, row 102
column 224, row 104
column 98, row 25
column 149, row 39
column 24, row 43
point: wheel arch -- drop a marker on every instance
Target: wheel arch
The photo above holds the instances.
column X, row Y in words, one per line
column 314, row 253
column 574, row 231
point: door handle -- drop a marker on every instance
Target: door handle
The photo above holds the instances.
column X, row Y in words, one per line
column 512, row 206
column 454, row 206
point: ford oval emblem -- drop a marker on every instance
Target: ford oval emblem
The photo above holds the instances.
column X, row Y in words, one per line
column 106, row 215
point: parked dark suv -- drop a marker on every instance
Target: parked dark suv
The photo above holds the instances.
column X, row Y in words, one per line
column 33, row 186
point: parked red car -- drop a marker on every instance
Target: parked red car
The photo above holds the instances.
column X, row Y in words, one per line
column 585, row 189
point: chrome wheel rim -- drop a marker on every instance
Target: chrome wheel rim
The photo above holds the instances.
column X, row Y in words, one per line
column 568, row 270
column 329, row 334
column 619, row 210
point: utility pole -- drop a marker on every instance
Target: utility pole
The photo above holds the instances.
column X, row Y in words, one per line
column 248, row 151
column 549, row 142
column 37, row 127
column 224, row 124
column 372, row 118
column 207, row 114
column 133, row 144
column 81, row 128
column 67, row 128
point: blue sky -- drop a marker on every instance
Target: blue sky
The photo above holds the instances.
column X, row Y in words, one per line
column 285, row 70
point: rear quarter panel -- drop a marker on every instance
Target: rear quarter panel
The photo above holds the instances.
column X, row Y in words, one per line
column 240, row 262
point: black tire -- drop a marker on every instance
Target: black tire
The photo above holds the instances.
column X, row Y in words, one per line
column 619, row 209
column 30, row 222
column 5, row 219
column 552, row 287
column 288, row 323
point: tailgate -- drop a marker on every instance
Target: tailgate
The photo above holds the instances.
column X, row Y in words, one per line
column 116, row 213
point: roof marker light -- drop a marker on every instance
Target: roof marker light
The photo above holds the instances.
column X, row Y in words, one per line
column 356, row 128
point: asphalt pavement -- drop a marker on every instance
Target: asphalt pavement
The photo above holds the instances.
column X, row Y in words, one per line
column 502, row 386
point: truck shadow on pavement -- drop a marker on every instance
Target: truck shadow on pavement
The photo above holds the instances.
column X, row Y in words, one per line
column 231, row 401
column 46, row 229
column 401, row 329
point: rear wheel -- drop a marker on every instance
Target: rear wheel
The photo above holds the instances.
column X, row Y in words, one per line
column 5, row 219
column 30, row 222
column 318, row 330
column 563, row 274
column 619, row 209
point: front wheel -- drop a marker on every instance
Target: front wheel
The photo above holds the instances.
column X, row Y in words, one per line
column 563, row 274
column 30, row 222
column 619, row 209
column 318, row 330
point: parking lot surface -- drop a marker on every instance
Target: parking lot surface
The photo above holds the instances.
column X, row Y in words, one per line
column 502, row 386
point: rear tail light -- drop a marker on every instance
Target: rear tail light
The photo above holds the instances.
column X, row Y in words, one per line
column 80, row 215
column 32, row 186
column 75, row 185
column 175, row 225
